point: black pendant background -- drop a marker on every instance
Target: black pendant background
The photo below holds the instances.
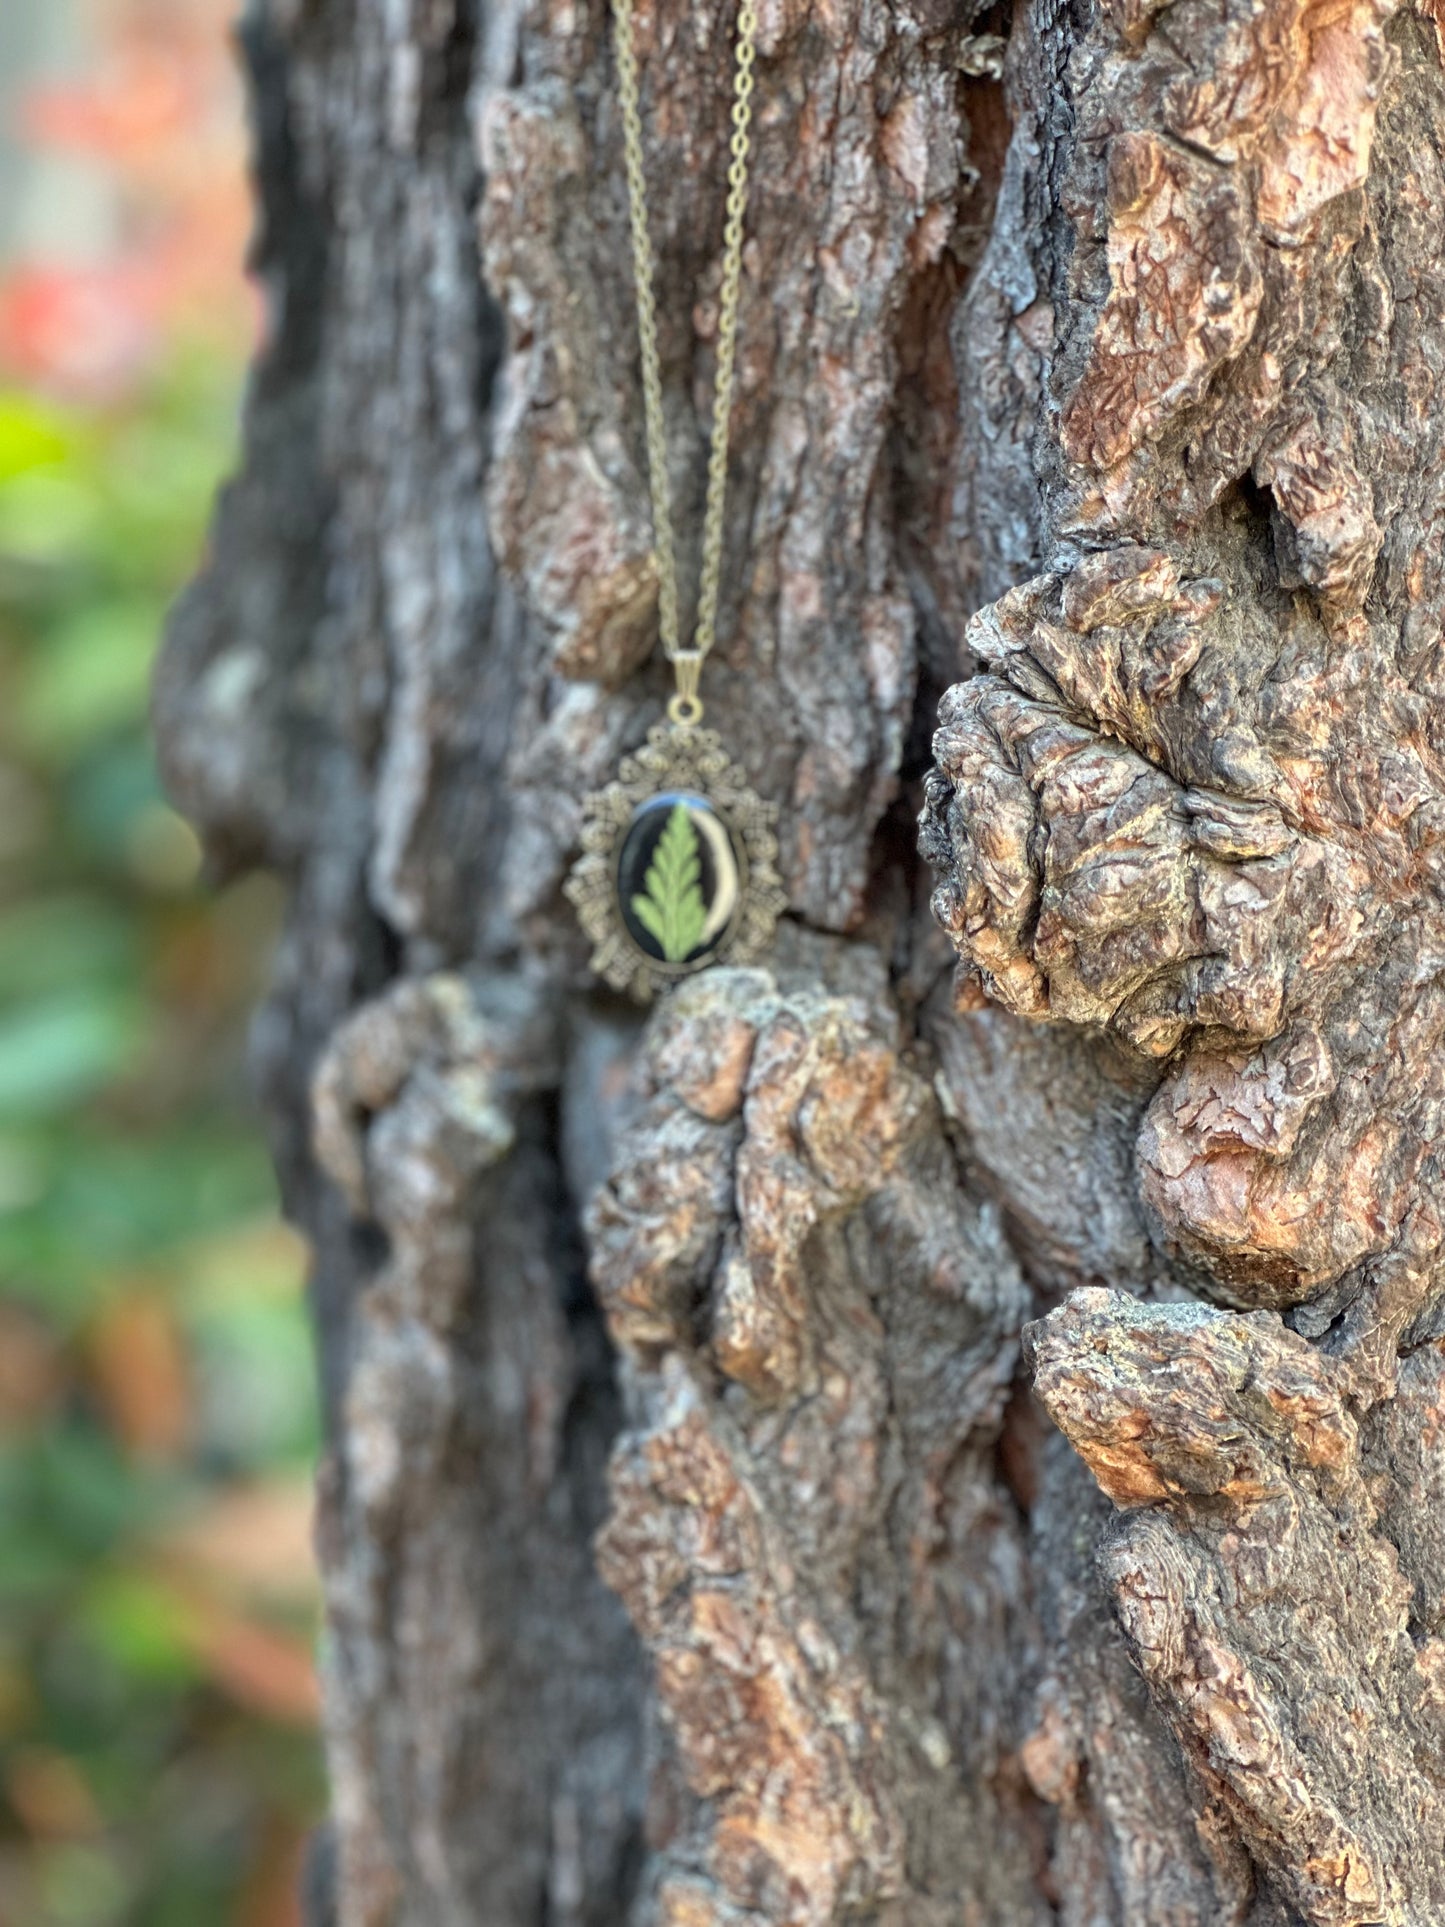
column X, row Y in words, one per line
column 721, row 879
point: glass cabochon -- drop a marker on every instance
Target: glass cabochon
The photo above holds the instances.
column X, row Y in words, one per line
column 681, row 877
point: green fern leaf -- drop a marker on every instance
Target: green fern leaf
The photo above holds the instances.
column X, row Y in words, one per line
column 673, row 911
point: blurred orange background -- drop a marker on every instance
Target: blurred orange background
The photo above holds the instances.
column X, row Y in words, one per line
column 158, row 1754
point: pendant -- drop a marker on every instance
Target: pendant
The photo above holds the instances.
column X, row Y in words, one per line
column 679, row 864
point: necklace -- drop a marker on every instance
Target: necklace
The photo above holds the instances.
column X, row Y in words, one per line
column 678, row 864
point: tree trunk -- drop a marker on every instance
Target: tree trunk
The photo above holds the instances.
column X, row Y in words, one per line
column 710, row 1538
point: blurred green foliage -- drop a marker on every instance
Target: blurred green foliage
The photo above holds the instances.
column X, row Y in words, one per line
column 158, row 1763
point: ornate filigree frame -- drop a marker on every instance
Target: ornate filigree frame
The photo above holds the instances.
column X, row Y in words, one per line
column 674, row 758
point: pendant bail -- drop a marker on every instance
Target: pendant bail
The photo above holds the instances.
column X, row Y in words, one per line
column 685, row 708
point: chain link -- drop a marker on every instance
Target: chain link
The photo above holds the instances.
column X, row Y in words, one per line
column 686, row 705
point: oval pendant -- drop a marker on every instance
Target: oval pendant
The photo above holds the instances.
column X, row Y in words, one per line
column 680, row 880
column 679, row 865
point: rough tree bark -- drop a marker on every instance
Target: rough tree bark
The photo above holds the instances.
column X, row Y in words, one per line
column 867, row 1443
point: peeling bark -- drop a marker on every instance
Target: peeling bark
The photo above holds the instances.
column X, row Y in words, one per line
column 709, row 1536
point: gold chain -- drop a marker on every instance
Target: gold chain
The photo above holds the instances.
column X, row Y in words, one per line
column 686, row 705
